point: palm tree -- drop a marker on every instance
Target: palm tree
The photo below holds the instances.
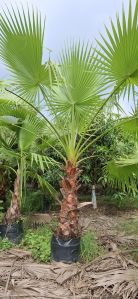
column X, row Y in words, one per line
column 74, row 91
column 19, row 133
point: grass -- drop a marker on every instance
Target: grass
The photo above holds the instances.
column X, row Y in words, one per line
column 130, row 228
column 90, row 249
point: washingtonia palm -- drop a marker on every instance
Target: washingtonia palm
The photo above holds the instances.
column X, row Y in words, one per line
column 74, row 91
column 19, row 133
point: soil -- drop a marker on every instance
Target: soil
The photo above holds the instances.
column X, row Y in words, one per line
column 105, row 223
column 111, row 276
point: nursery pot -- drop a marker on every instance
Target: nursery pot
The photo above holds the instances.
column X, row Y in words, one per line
column 67, row 251
column 13, row 232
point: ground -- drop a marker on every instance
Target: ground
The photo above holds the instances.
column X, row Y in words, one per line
column 114, row 274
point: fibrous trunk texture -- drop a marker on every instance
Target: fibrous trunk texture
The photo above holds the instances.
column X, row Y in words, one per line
column 68, row 222
column 13, row 213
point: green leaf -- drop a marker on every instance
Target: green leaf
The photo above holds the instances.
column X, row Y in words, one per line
column 21, row 39
column 31, row 129
column 124, row 172
column 119, row 51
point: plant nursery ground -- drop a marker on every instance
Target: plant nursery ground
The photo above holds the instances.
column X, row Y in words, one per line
column 108, row 268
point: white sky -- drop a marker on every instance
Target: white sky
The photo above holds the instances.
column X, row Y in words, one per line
column 71, row 19
column 67, row 19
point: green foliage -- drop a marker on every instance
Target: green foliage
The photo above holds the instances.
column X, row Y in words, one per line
column 85, row 81
column 123, row 172
column 1, row 210
column 1, row 206
column 22, row 142
column 89, row 247
column 36, row 201
column 121, row 200
column 5, row 244
column 21, row 49
column 119, row 51
column 38, row 242
column 32, row 202
column 110, row 146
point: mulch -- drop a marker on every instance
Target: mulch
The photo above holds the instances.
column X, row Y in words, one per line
column 111, row 276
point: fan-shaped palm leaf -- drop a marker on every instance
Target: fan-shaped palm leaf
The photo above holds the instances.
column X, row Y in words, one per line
column 124, row 172
column 10, row 107
column 130, row 125
column 32, row 128
column 21, row 39
column 119, row 52
column 78, row 86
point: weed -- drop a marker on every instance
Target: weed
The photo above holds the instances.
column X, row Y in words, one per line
column 38, row 242
column 122, row 201
column 5, row 244
column 89, row 247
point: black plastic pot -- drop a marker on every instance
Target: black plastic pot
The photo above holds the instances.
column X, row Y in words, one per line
column 14, row 232
column 65, row 251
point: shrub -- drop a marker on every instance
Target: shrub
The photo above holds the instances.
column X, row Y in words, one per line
column 5, row 244
column 122, row 200
column 38, row 242
column 33, row 202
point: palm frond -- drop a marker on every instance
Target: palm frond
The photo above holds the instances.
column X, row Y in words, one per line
column 42, row 161
column 119, row 52
column 130, row 126
column 45, row 185
column 32, row 128
column 21, row 39
column 78, row 87
column 13, row 108
column 124, row 173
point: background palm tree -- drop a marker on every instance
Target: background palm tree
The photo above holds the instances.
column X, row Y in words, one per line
column 74, row 91
column 20, row 130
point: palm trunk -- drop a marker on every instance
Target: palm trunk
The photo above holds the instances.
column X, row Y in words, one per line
column 68, row 219
column 13, row 213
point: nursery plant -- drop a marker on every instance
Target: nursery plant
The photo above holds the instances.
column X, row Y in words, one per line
column 75, row 90
column 19, row 132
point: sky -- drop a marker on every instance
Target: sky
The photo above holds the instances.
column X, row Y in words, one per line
column 71, row 19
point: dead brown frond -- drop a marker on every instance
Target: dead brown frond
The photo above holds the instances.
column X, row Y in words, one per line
column 121, row 283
